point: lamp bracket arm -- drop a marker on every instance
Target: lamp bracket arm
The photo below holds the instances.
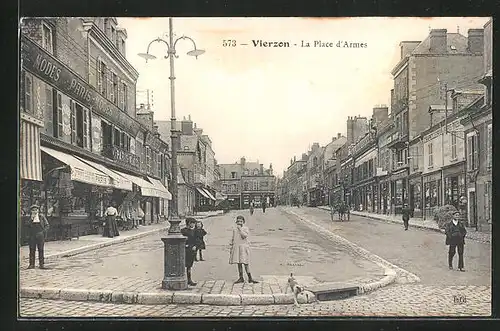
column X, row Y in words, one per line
column 159, row 40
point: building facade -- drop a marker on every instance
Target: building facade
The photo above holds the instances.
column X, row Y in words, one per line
column 81, row 144
column 478, row 130
column 245, row 182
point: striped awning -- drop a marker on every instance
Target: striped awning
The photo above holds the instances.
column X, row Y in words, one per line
column 202, row 192
column 117, row 181
column 30, row 165
column 209, row 194
column 160, row 187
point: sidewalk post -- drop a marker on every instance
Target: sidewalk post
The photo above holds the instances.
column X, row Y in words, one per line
column 174, row 276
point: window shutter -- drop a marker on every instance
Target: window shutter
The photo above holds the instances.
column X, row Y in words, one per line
column 99, row 75
column 469, row 153
column 73, row 122
column 476, row 151
column 489, row 150
column 86, row 129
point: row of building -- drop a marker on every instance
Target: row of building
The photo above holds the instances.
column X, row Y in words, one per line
column 83, row 142
column 433, row 148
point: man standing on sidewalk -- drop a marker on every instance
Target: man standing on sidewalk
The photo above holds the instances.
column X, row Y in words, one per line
column 38, row 228
column 455, row 237
column 406, row 215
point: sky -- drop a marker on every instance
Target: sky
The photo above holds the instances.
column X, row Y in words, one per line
column 271, row 104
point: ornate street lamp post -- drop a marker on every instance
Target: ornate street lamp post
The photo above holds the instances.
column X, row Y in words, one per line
column 174, row 242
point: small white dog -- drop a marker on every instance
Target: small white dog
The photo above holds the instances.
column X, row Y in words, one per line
column 299, row 292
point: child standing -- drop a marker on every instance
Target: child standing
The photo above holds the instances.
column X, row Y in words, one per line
column 200, row 243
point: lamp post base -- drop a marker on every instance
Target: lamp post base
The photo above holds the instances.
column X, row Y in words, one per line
column 174, row 283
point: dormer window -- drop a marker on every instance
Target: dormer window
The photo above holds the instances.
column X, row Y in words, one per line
column 453, row 48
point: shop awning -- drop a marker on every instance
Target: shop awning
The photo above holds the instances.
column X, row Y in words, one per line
column 117, row 181
column 29, row 148
column 202, row 192
column 160, row 187
column 209, row 194
column 147, row 189
column 80, row 171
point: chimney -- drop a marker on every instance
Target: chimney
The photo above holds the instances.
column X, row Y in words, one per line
column 261, row 169
column 194, row 125
column 438, row 41
column 339, row 135
column 187, row 127
column 189, row 117
column 243, row 162
column 407, row 47
column 295, row 159
column 475, row 40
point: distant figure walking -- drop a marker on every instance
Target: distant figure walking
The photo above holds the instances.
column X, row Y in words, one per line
column 406, row 216
column 455, row 237
column 264, row 205
column 240, row 250
column 251, row 207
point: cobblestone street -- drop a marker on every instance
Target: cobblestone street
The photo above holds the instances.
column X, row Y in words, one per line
column 279, row 247
column 396, row 300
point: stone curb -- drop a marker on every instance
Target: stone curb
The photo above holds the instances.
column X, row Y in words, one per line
column 389, row 278
column 92, row 247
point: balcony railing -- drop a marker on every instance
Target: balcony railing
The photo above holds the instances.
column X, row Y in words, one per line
column 120, row 155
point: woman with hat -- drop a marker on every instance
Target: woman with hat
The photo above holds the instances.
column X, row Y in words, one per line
column 455, row 237
column 189, row 232
column 38, row 227
column 240, row 250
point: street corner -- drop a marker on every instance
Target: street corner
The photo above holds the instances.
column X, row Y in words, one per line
column 221, row 299
column 40, row 293
column 186, row 298
column 257, row 299
column 160, row 298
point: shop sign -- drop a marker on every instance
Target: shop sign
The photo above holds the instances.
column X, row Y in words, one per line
column 42, row 64
column 81, row 175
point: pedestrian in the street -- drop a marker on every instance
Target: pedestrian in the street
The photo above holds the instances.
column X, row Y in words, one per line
column 189, row 233
column 406, row 216
column 38, row 227
column 200, row 233
column 264, row 206
column 455, row 237
column 240, row 250
column 110, row 227
column 251, row 207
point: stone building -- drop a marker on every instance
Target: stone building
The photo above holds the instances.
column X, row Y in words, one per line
column 357, row 127
column 245, row 182
column 197, row 167
column 81, row 143
column 478, row 130
column 423, row 77
column 314, row 173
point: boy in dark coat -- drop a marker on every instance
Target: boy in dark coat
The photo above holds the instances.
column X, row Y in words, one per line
column 455, row 237
column 189, row 232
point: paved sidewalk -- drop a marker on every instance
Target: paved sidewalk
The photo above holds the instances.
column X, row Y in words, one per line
column 420, row 223
column 64, row 248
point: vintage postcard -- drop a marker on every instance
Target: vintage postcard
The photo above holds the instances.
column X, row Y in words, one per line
column 251, row 167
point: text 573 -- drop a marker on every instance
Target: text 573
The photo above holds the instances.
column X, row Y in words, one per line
column 228, row 43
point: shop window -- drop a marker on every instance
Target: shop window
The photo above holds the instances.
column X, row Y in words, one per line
column 80, row 125
column 453, row 146
column 488, row 142
column 117, row 137
column 107, row 135
column 47, row 38
column 246, row 185
column 430, row 156
column 28, row 93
